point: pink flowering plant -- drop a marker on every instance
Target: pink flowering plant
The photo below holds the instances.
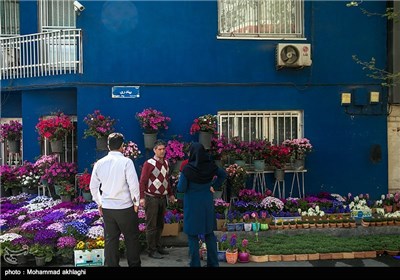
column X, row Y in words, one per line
column 237, row 177
column 175, row 150
column 55, row 127
column 272, row 204
column 84, row 181
column 131, row 150
column 60, row 172
column 152, row 120
column 65, row 246
column 221, row 208
column 243, row 246
column 219, row 147
column 9, row 177
column 11, row 131
column 206, row 123
column 98, row 125
column 299, row 147
column 280, row 155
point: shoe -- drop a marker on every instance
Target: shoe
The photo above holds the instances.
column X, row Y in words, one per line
column 163, row 251
column 155, row 255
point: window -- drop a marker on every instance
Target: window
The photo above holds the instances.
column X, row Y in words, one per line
column 70, row 153
column 261, row 18
column 9, row 18
column 276, row 126
column 59, row 15
column 5, row 156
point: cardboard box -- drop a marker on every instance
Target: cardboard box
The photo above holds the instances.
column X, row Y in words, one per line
column 170, row 229
column 93, row 257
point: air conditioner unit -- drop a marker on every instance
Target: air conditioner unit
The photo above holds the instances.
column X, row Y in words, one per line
column 293, row 55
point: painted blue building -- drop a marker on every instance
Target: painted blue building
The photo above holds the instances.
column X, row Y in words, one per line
column 289, row 63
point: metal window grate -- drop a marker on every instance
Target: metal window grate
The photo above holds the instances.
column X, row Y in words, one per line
column 276, row 126
column 56, row 15
column 261, row 18
column 9, row 18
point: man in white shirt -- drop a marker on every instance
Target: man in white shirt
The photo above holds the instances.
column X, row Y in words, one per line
column 115, row 176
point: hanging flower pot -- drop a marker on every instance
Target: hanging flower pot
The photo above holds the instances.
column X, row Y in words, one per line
column 101, row 143
column 14, row 146
column 56, row 146
column 149, row 140
column 205, row 139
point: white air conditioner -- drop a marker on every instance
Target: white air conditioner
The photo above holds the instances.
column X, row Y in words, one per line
column 293, row 55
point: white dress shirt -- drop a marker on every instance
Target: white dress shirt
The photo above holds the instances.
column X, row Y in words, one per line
column 119, row 183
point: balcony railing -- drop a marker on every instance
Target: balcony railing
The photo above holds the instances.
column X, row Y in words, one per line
column 42, row 54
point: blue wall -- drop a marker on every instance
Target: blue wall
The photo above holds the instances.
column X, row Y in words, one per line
column 170, row 49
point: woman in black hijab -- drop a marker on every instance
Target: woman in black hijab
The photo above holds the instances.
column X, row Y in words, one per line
column 198, row 180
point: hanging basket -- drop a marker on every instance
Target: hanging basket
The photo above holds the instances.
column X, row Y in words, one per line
column 56, row 146
column 149, row 140
column 14, row 147
column 101, row 143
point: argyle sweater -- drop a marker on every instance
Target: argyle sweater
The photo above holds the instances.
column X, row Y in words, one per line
column 154, row 179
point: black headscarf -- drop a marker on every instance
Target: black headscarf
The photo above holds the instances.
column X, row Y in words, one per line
column 200, row 168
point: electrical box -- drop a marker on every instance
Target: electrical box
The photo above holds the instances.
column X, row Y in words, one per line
column 374, row 97
column 346, row 98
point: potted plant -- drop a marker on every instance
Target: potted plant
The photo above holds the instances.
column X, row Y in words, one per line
column 42, row 164
column 65, row 248
column 152, row 121
column 54, row 129
column 206, row 126
column 236, row 177
column 175, row 153
column 99, row 127
column 244, row 253
column 300, row 148
column 260, row 150
column 65, row 190
column 43, row 253
column 10, row 179
column 12, row 133
column 83, row 181
column 219, row 149
column 232, row 251
column 30, row 179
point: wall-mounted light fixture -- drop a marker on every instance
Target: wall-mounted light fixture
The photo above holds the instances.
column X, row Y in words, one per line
column 346, row 98
column 374, row 97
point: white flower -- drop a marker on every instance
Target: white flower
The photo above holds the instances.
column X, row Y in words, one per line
column 9, row 237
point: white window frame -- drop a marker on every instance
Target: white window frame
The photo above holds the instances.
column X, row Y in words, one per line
column 70, row 144
column 5, row 156
column 275, row 126
column 261, row 19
